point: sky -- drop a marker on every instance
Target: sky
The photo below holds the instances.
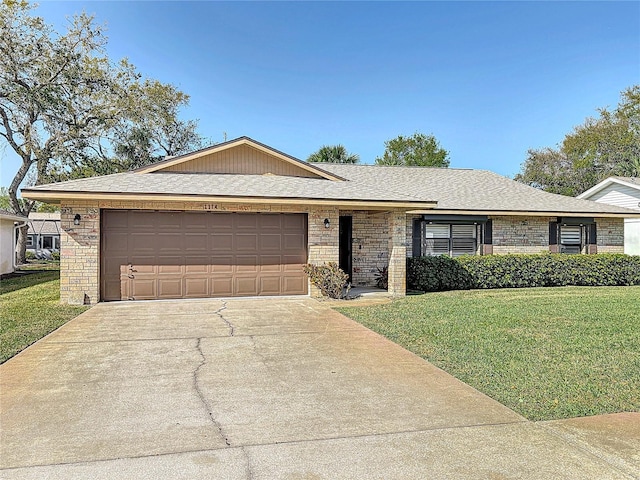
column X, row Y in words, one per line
column 490, row 80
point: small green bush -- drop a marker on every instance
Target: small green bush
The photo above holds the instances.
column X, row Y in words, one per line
column 329, row 278
column 29, row 255
column 519, row 271
column 55, row 256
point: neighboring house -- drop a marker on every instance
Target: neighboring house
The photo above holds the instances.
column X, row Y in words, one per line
column 8, row 222
column 241, row 219
column 44, row 232
column 623, row 192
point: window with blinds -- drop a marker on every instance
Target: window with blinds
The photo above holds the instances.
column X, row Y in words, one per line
column 571, row 239
column 453, row 240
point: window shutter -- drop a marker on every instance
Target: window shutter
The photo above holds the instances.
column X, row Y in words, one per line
column 592, row 238
column 553, row 237
column 416, row 244
column 488, row 233
column 593, row 234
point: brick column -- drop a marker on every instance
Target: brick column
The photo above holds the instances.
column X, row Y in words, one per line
column 397, row 254
column 80, row 254
column 323, row 242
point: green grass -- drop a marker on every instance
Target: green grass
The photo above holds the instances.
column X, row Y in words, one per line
column 547, row 353
column 30, row 309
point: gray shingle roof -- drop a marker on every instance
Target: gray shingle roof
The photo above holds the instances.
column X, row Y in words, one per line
column 465, row 189
column 261, row 186
column 453, row 189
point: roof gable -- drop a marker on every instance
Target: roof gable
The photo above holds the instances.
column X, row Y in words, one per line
column 242, row 156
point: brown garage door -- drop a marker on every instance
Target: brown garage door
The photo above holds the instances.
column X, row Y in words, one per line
column 152, row 255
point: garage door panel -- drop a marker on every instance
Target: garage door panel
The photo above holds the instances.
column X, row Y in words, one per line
column 270, row 285
column 196, row 265
column 169, row 242
column 167, row 221
column 270, row 242
column 142, row 242
column 170, row 269
column 221, row 221
column 294, row 241
column 116, row 242
column 270, row 222
column 244, row 221
column 270, row 263
column 246, row 286
column 170, row 287
column 143, row 289
column 195, row 222
column 222, row 264
column 196, row 242
column 116, row 219
column 292, row 268
column 141, row 220
column 297, row 223
column 221, row 242
column 178, row 254
column 221, row 287
column 295, row 285
column 196, row 287
column 246, row 242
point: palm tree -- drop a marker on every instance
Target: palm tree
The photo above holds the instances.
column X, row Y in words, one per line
column 333, row 154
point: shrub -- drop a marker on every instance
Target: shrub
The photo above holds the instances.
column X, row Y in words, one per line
column 515, row 271
column 434, row 274
column 382, row 277
column 30, row 255
column 329, row 278
column 55, row 256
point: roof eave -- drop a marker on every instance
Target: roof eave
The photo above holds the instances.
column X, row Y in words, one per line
column 58, row 196
column 531, row 213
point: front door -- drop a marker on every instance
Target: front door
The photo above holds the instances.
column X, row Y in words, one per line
column 345, row 245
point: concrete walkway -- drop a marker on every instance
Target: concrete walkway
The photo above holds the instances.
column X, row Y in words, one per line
column 264, row 389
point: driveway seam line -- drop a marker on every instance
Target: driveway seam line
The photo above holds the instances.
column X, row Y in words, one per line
column 244, row 335
column 269, row 444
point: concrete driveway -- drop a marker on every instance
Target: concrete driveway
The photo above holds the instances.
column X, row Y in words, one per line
column 259, row 389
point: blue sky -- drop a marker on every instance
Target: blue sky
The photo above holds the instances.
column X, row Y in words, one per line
column 489, row 79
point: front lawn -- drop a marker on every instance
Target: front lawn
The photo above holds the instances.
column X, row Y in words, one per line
column 30, row 309
column 547, row 353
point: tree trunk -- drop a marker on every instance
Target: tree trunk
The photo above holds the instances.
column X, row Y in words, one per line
column 21, row 247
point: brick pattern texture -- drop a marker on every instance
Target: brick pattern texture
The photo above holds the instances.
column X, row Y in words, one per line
column 379, row 239
column 610, row 236
column 370, row 245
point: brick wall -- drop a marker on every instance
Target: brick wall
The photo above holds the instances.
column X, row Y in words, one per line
column 397, row 253
column 323, row 242
column 370, row 245
column 520, row 234
column 80, row 254
column 610, row 235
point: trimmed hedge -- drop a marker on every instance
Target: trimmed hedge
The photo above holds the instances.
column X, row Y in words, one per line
column 431, row 274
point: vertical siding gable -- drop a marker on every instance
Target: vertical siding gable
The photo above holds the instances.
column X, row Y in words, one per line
column 618, row 195
column 243, row 159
